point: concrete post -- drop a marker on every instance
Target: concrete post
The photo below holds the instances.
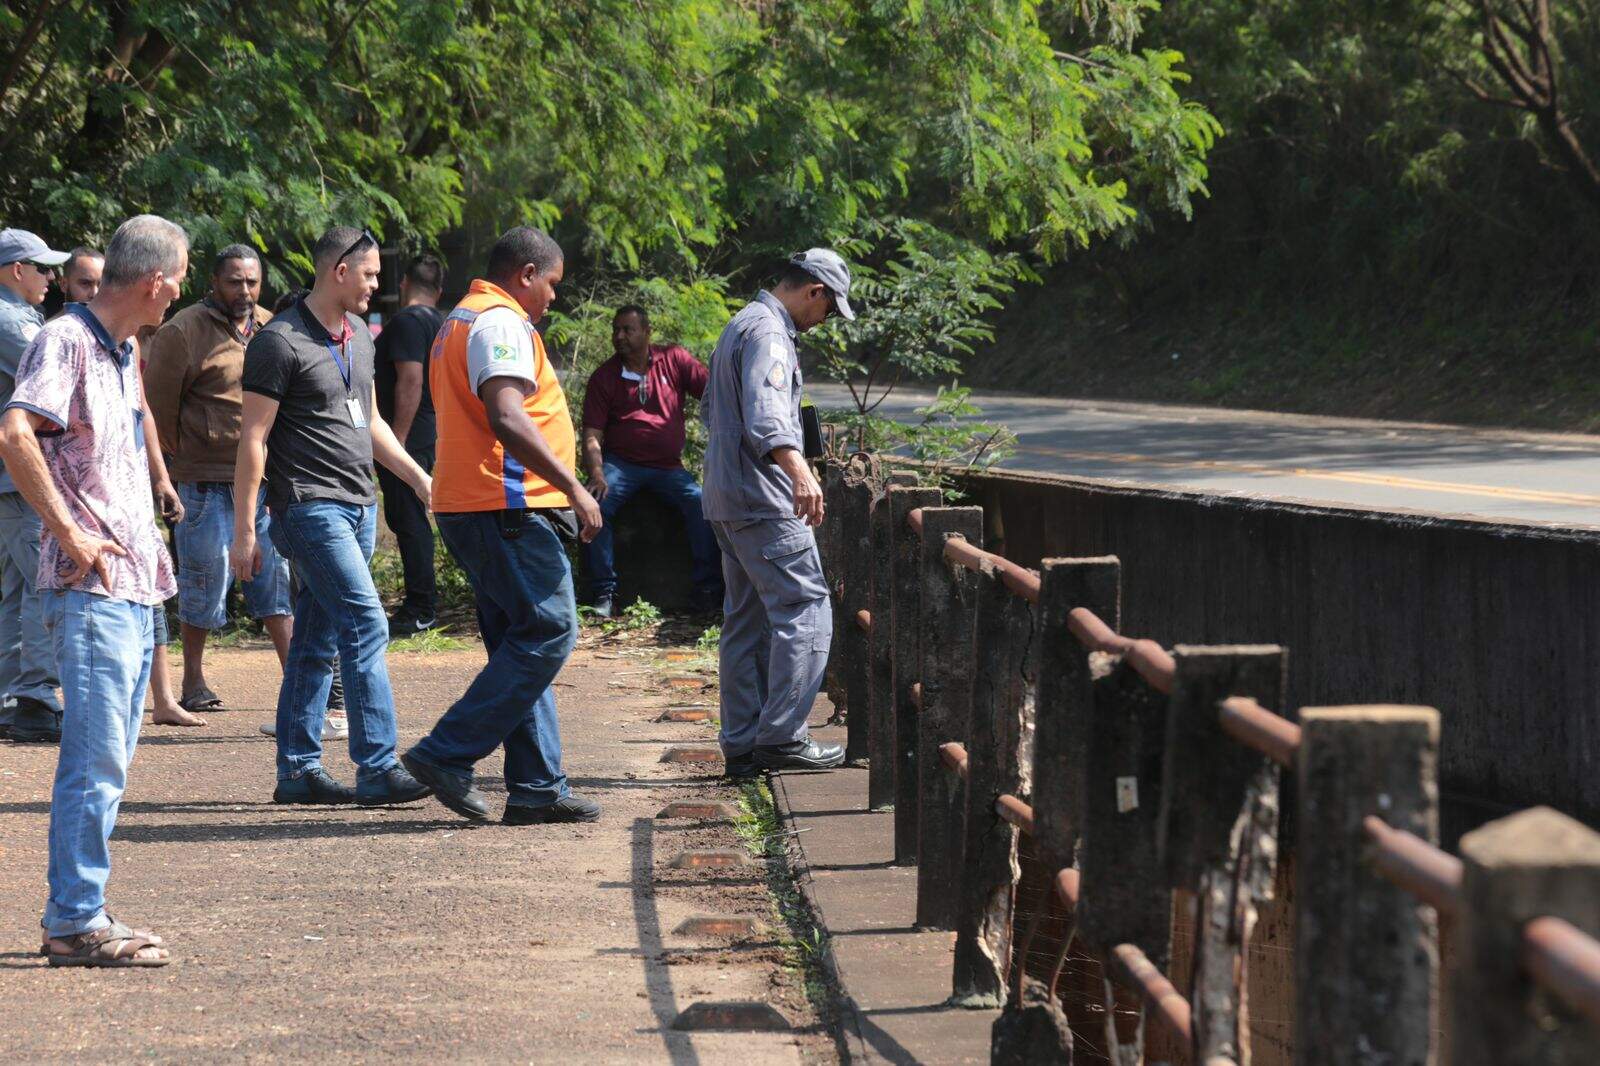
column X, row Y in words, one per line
column 880, row 680
column 1219, row 831
column 905, row 619
column 1065, row 700
column 855, row 546
column 1533, row 864
column 949, row 618
column 998, row 746
column 1124, row 894
column 1366, row 952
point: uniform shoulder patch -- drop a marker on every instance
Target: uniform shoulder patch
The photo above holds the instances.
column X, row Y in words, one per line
column 502, row 353
column 777, row 377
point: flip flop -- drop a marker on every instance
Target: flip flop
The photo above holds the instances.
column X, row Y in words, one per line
column 203, row 700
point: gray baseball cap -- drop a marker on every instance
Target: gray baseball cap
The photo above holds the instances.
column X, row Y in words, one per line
column 826, row 266
column 20, row 246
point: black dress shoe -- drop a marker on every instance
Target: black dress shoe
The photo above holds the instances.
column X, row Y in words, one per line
column 313, row 786
column 741, row 767
column 395, row 786
column 36, row 722
column 449, row 789
column 799, row 755
column 566, row 809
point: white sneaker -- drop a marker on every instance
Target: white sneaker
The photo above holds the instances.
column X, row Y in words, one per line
column 334, row 727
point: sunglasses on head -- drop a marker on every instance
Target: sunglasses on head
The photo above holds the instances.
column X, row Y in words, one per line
column 361, row 241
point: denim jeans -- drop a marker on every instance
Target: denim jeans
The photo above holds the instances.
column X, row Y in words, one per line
column 27, row 658
column 337, row 611
column 624, row 481
column 103, row 648
column 529, row 623
column 202, row 540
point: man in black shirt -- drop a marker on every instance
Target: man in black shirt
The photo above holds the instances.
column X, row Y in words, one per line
column 404, row 402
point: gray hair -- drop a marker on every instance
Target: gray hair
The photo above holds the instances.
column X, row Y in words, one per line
column 142, row 246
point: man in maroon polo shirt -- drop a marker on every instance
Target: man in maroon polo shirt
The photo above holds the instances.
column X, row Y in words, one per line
column 633, row 435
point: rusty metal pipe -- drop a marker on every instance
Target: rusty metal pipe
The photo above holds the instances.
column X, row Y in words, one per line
column 1019, row 579
column 1067, row 884
column 1407, row 860
column 1169, row 1004
column 1094, row 634
column 955, row 757
column 864, row 621
column 1252, row 725
column 1566, row 961
column 1015, row 811
column 1157, row 667
column 914, row 520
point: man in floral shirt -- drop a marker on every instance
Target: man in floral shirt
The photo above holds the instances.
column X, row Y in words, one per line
column 73, row 439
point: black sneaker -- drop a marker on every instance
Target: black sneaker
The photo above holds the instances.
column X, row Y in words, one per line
column 800, row 755
column 404, row 623
column 566, row 809
column 36, row 722
column 603, row 607
column 395, row 786
column 741, row 767
column 315, row 787
column 450, row 789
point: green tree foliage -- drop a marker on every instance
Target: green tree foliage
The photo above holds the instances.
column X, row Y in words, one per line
column 679, row 135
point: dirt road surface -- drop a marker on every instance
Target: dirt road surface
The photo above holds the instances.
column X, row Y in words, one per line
column 355, row 935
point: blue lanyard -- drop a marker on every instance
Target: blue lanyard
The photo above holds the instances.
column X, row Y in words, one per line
column 344, row 367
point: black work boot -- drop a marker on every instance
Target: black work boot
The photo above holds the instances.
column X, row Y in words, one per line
column 799, row 755
column 36, row 722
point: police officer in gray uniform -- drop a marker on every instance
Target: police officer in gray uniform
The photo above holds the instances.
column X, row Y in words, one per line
column 762, row 501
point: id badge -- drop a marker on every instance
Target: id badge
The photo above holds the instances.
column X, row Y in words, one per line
column 357, row 418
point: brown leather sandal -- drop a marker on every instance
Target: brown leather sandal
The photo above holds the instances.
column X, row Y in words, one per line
column 114, row 946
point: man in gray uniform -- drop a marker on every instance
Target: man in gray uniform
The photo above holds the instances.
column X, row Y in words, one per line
column 762, row 501
column 29, row 710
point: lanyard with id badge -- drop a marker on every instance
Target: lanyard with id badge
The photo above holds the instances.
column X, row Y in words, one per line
column 352, row 405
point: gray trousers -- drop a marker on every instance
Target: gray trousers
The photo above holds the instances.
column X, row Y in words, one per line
column 777, row 627
column 27, row 661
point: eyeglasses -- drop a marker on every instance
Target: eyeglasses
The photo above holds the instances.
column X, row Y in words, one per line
column 365, row 238
column 43, row 268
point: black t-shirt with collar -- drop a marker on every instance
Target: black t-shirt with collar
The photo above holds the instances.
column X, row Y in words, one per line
column 315, row 451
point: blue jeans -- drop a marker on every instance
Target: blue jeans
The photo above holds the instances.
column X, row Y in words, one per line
column 27, row 660
column 203, row 539
column 624, row 481
column 102, row 647
column 529, row 623
column 337, row 610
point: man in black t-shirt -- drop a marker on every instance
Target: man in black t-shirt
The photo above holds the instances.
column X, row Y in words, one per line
column 401, row 369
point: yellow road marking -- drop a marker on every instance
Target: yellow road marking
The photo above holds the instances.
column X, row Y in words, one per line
column 1353, row 476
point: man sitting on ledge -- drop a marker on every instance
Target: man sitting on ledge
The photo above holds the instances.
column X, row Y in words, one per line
column 633, row 436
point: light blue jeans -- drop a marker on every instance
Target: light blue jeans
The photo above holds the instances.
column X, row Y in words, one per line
column 337, row 610
column 103, row 647
column 27, row 660
column 203, row 539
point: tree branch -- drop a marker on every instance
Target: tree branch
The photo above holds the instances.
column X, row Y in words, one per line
column 30, row 35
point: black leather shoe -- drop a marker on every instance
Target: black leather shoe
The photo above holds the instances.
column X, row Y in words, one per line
column 36, row 722
column 566, row 809
column 603, row 607
column 449, row 789
column 800, row 755
column 741, row 767
column 395, row 786
column 314, row 786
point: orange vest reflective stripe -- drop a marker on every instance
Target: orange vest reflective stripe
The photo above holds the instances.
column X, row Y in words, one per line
column 472, row 471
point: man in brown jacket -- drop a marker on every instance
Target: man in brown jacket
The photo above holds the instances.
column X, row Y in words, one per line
column 193, row 382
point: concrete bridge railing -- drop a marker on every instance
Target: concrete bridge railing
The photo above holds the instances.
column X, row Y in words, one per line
column 1091, row 813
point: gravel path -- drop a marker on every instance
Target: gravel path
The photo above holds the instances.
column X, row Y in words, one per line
column 403, row 934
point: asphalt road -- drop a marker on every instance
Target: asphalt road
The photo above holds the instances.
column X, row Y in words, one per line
column 1446, row 470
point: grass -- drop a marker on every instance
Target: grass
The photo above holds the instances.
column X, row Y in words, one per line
column 802, row 940
column 429, row 641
